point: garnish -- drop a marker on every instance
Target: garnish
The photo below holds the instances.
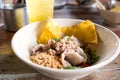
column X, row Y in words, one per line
column 68, row 38
column 56, row 39
column 92, row 57
column 71, row 67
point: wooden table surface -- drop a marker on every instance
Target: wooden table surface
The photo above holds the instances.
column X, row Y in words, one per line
column 12, row 68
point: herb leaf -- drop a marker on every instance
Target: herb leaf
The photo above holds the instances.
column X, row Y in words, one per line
column 92, row 57
column 68, row 38
column 71, row 67
column 56, row 39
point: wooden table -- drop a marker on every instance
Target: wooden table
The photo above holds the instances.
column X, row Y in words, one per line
column 12, row 68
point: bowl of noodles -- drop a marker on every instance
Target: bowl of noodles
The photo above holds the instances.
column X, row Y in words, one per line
column 70, row 49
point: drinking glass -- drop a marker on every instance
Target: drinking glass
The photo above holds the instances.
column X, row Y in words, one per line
column 39, row 10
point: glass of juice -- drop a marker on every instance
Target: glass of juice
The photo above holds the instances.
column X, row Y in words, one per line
column 39, row 10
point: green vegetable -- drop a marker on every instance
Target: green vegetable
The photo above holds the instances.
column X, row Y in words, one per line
column 71, row 67
column 92, row 57
column 68, row 38
column 56, row 39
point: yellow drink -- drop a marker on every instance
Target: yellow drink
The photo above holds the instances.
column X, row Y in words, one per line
column 39, row 10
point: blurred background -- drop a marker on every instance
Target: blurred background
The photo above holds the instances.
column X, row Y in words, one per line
column 61, row 5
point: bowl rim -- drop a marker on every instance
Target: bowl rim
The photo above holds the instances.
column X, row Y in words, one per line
column 96, row 66
column 112, row 12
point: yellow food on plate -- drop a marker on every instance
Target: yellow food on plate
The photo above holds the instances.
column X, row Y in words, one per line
column 84, row 31
column 48, row 30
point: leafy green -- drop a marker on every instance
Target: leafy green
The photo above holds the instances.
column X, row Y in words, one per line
column 92, row 56
column 56, row 39
column 71, row 67
column 68, row 38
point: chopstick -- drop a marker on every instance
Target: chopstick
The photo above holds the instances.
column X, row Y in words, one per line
column 18, row 1
column 23, row 1
column 100, row 5
column 15, row 1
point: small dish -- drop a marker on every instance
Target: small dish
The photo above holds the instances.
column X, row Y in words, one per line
column 112, row 18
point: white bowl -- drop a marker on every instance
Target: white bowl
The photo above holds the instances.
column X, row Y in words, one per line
column 110, row 17
column 25, row 38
